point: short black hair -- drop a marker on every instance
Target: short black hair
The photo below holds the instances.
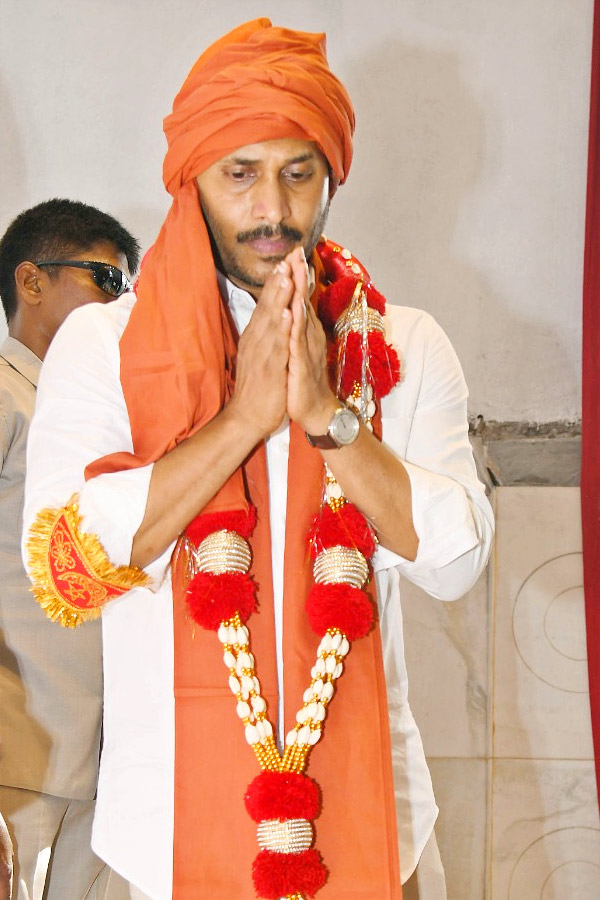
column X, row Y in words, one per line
column 56, row 229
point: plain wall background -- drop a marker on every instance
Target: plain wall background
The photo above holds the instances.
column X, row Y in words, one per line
column 467, row 192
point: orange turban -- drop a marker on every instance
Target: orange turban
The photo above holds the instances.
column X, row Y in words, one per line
column 256, row 83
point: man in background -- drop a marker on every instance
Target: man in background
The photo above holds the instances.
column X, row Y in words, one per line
column 55, row 257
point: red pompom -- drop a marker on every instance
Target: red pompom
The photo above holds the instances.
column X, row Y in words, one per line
column 212, row 599
column 346, row 527
column 384, row 365
column 282, row 795
column 335, row 299
column 276, row 875
column 339, row 606
column 240, row 520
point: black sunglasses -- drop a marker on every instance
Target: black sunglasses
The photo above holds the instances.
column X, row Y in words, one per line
column 108, row 278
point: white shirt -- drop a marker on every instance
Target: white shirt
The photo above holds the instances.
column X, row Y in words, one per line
column 81, row 416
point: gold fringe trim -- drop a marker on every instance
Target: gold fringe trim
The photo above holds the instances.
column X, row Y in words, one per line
column 101, row 578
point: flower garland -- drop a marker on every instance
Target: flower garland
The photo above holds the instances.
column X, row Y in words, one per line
column 221, row 595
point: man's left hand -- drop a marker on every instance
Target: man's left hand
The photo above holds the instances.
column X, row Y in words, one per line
column 311, row 403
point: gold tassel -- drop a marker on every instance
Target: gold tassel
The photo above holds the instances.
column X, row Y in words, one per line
column 100, row 582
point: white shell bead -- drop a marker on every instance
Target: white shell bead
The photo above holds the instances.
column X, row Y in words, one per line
column 256, row 684
column 369, row 392
column 244, row 661
column 302, row 715
column 251, row 733
column 327, row 692
column 314, row 736
column 320, row 666
column 371, row 409
column 308, row 695
column 319, row 713
column 229, row 659
column 223, row 634
column 346, row 254
column 242, row 635
column 330, row 664
column 258, row 704
column 344, row 647
column 304, row 735
column 369, row 425
column 243, row 710
column 247, row 684
column 315, row 673
column 336, row 640
column 290, row 738
column 234, row 684
column 317, row 686
column 232, row 634
column 326, row 643
column 333, row 491
column 356, row 268
column 268, row 728
column 338, row 670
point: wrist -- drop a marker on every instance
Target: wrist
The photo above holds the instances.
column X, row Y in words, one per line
column 318, row 418
column 245, row 428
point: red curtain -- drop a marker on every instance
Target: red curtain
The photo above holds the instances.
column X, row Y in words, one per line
column 590, row 461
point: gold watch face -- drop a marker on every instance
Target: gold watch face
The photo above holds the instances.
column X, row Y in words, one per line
column 344, row 428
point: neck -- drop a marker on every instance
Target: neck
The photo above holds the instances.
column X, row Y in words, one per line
column 31, row 338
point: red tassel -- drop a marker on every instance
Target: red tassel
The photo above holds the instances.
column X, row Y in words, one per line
column 384, row 364
column 212, row 599
column 282, row 795
column 339, row 606
column 335, row 299
column 383, row 370
column 276, row 875
column 240, row 520
column 346, row 527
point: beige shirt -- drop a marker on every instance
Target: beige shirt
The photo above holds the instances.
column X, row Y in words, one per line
column 50, row 678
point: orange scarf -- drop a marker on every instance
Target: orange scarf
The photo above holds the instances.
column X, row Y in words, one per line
column 178, row 348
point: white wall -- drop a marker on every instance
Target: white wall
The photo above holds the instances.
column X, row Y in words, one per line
column 467, row 194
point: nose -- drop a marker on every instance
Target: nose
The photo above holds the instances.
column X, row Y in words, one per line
column 269, row 200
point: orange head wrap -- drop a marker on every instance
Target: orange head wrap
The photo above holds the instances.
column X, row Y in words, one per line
column 256, row 83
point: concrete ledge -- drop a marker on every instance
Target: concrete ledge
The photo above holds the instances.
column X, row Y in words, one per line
column 523, row 453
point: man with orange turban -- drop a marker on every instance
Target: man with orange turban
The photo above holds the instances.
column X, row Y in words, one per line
column 250, row 454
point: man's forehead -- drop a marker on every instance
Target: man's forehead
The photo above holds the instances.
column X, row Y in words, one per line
column 282, row 151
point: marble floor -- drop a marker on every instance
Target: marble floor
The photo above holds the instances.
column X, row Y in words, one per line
column 499, row 689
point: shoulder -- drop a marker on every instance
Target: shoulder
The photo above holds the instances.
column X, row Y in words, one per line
column 83, row 358
column 428, row 360
column 89, row 337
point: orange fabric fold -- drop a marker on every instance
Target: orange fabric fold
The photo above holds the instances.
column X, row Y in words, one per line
column 258, row 83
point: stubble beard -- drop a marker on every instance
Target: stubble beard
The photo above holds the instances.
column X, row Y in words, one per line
column 227, row 258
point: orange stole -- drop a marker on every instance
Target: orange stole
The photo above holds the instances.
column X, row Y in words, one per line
column 214, row 838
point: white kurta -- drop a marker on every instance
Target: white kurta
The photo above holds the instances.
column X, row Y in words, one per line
column 81, row 416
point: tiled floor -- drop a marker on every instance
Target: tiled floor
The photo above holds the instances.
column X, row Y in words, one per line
column 501, row 698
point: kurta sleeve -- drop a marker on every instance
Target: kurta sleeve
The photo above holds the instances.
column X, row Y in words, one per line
column 78, row 535
column 425, row 424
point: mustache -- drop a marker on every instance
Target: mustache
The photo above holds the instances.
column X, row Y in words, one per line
column 270, row 232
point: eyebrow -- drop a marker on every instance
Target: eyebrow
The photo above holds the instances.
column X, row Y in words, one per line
column 243, row 161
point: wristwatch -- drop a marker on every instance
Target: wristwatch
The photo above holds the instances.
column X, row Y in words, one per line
column 342, row 430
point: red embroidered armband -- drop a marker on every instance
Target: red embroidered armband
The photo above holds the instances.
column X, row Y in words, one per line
column 71, row 574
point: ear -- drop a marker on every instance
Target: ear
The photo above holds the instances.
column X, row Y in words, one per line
column 29, row 283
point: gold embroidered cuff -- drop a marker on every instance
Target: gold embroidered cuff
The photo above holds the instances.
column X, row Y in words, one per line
column 72, row 575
